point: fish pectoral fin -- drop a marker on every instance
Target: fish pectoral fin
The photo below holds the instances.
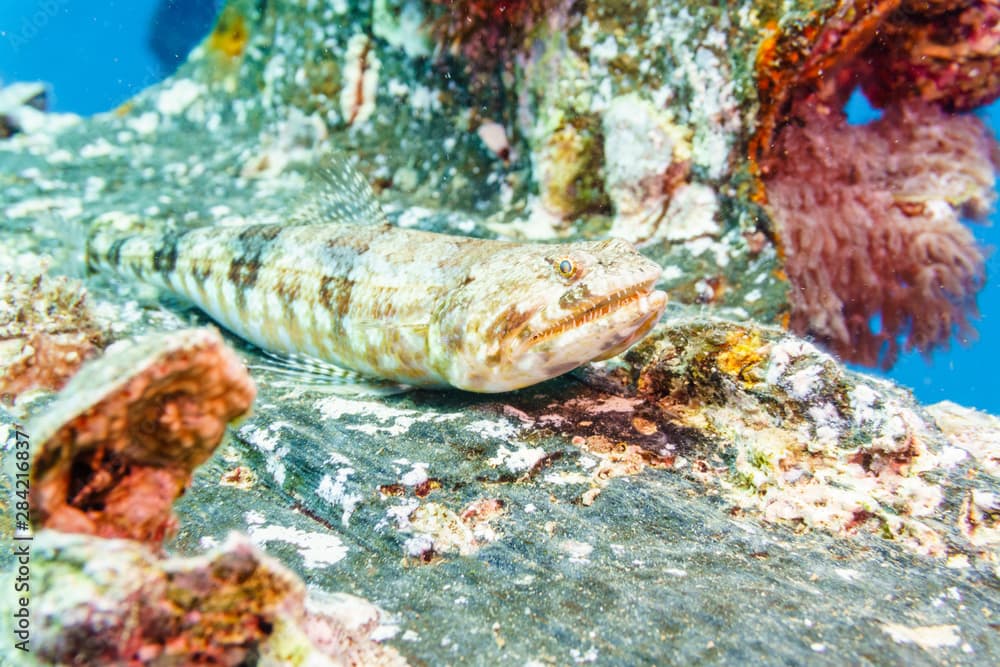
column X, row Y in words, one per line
column 337, row 193
column 305, row 372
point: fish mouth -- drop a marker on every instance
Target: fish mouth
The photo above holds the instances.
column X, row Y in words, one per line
column 604, row 307
column 640, row 331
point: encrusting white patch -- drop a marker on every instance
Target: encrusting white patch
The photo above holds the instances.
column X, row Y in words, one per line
column 926, row 637
column 486, row 428
column 379, row 418
column 316, row 549
column 334, row 491
column 178, row 97
column 517, row 460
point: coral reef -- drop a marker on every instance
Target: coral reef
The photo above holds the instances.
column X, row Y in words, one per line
column 869, row 219
column 47, row 329
column 724, row 469
column 230, row 607
column 488, row 32
column 20, row 104
column 796, row 439
column 119, row 445
column 875, row 251
column 813, row 58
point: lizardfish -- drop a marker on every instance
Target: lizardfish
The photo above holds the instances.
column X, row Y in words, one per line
column 344, row 286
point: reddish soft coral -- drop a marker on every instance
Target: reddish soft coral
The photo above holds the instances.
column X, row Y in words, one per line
column 868, row 216
column 485, row 31
column 943, row 51
column 816, row 58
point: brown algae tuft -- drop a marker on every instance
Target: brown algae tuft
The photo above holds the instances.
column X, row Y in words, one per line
column 47, row 331
column 231, row 33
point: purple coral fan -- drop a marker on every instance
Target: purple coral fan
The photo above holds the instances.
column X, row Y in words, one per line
column 869, row 219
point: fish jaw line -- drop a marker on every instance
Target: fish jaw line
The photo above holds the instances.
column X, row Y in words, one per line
column 658, row 301
column 642, row 296
column 603, row 328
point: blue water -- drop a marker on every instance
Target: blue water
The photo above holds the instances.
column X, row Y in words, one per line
column 97, row 54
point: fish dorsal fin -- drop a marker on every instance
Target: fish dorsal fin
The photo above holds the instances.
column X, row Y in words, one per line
column 337, row 193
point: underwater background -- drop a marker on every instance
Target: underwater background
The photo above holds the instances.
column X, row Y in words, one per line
column 723, row 492
column 95, row 55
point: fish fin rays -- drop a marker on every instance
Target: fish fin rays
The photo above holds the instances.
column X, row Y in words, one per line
column 337, row 193
column 304, row 372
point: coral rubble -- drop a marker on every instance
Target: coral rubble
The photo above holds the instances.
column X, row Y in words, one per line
column 121, row 441
column 115, row 449
column 47, row 329
column 229, row 607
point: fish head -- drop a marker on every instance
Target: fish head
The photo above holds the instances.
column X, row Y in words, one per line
column 530, row 313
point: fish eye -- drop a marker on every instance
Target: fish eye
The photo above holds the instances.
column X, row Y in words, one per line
column 566, row 268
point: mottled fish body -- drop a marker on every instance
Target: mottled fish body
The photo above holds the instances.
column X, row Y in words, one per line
column 414, row 307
